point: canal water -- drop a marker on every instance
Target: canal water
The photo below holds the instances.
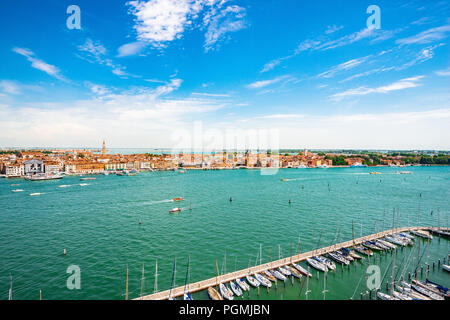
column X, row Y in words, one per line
column 97, row 222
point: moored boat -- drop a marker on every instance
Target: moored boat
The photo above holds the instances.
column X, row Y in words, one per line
column 277, row 274
column 213, row 294
column 330, row 264
column 235, row 288
column 241, row 283
column 175, row 210
column 269, row 275
column 285, row 271
column 316, row 264
column 384, row 296
column 338, row 258
column 252, row 281
column 363, row 250
column 302, row 270
column 262, row 280
column 225, row 292
column 294, row 272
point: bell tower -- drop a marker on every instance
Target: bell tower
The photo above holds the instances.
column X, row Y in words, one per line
column 104, row 148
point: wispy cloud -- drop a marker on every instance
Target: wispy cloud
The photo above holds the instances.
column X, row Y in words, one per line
column 282, row 116
column 443, row 73
column 399, row 85
column 427, row 36
column 333, row 28
column 36, row 63
column 210, row 94
column 95, row 52
column 265, row 83
column 130, row 49
column 343, row 67
column 220, row 21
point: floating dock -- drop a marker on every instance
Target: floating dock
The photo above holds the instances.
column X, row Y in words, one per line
column 205, row 284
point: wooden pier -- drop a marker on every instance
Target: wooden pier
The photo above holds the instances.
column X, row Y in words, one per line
column 205, row 284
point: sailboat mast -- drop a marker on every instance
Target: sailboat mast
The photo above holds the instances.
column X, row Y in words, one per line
column 155, row 289
column 10, row 289
column 126, row 286
column 142, row 280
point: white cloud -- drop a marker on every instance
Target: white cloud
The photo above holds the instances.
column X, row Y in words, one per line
column 282, row 116
column 343, row 67
column 210, row 94
column 130, row 49
column 333, row 28
column 95, row 52
column 226, row 20
column 265, row 83
column 39, row 64
column 427, row 36
column 159, row 22
column 399, row 85
column 443, row 73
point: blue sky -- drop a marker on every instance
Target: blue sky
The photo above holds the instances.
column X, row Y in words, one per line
column 145, row 73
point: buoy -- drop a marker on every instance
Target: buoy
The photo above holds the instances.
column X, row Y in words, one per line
column 289, row 201
column 231, row 199
column 140, row 221
column 65, row 252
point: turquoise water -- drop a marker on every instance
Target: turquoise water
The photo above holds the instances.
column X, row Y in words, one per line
column 98, row 226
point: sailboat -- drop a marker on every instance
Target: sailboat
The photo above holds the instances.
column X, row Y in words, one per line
column 269, row 275
column 235, row 288
column 301, row 270
column 262, row 280
column 363, row 250
column 278, row 275
column 252, row 281
column 285, row 271
column 187, row 295
column 338, row 258
column 330, row 264
column 316, row 264
column 294, row 272
column 225, row 292
column 241, row 283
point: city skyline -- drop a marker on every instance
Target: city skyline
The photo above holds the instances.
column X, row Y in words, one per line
column 141, row 78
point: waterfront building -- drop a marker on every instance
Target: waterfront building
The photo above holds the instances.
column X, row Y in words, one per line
column 34, row 166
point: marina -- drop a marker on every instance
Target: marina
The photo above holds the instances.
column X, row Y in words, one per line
column 230, row 277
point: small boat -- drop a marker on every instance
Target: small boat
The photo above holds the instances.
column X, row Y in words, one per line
column 401, row 296
column 446, row 267
column 86, row 179
column 346, row 256
column 364, row 250
column 294, row 272
column 225, row 292
column 387, row 244
column 375, row 172
column 384, row 296
column 338, row 258
column 213, row 294
column 406, row 288
column 350, row 254
column 406, row 235
column 17, row 190
column 371, row 245
column 427, row 292
column 269, row 275
column 35, row 194
column 302, row 270
column 317, row 264
column 263, row 280
column 84, row 184
column 236, row 289
column 278, row 275
column 252, row 281
column 14, row 185
column 422, row 233
column 285, row 271
column 396, row 241
column 382, row 245
column 175, row 210
column 177, row 199
column 330, row 264
column 283, row 179
column 64, row 186
column 244, row 285
column 119, row 173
